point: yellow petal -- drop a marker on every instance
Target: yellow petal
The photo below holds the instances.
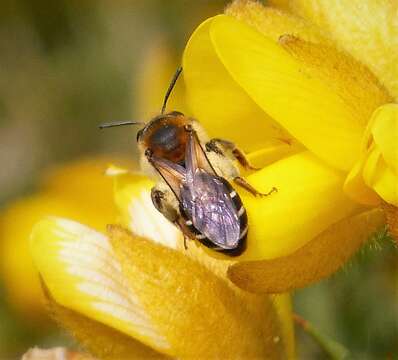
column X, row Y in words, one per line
column 322, row 97
column 375, row 175
column 385, row 134
column 272, row 22
column 273, row 152
column 356, row 187
column 137, row 213
column 309, row 199
column 155, row 71
column 84, row 183
column 16, row 222
column 100, row 340
column 152, row 293
column 218, row 102
column 366, row 29
column 82, row 273
column 55, row 353
column 77, row 190
column 318, row 259
column 199, row 313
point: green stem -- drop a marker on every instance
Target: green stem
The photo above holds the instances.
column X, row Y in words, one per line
column 335, row 350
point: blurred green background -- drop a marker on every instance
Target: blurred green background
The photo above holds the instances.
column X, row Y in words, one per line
column 65, row 67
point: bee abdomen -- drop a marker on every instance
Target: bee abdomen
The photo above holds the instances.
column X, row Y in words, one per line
column 242, row 214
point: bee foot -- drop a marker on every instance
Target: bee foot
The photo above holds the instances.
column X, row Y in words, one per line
column 274, row 189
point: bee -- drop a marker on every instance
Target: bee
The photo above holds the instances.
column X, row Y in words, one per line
column 193, row 190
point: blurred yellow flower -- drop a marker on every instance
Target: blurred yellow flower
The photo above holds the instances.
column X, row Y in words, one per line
column 258, row 75
column 78, row 190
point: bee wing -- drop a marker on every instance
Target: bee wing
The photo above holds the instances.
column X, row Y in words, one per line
column 173, row 174
column 195, row 157
column 208, row 203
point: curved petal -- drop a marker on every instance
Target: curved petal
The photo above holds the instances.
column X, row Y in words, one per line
column 16, row 222
column 375, row 175
column 81, row 272
column 366, row 29
column 379, row 177
column 136, row 287
column 100, row 340
column 322, row 97
column 355, row 186
column 77, row 190
column 318, row 259
column 137, row 213
column 309, row 199
column 218, row 102
column 272, row 22
column 84, row 183
column 274, row 152
column 385, row 134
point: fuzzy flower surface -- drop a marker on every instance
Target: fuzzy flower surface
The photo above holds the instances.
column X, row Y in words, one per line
column 270, row 78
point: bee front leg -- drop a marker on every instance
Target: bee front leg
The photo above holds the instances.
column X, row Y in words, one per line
column 243, row 183
column 217, row 144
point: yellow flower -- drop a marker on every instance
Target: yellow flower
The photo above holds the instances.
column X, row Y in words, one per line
column 78, row 190
column 281, row 89
column 123, row 296
column 141, row 294
column 263, row 77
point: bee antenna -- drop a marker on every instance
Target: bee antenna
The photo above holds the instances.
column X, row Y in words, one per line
column 170, row 89
column 122, row 123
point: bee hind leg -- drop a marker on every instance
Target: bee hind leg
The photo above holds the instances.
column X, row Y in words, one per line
column 244, row 184
column 237, row 154
column 186, row 233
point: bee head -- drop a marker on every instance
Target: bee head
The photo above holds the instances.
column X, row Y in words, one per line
column 165, row 136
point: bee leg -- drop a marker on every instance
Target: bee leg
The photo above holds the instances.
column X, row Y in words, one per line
column 186, row 233
column 159, row 202
column 243, row 183
column 157, row 197
column 214, row 145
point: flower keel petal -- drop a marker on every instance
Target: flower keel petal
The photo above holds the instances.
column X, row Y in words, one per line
column 200, row 313
column 316, row 260
column 309, row 199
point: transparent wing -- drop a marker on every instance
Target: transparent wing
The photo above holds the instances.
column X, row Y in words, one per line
column 195, row 157
column 207, row 201
column 173, row 174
